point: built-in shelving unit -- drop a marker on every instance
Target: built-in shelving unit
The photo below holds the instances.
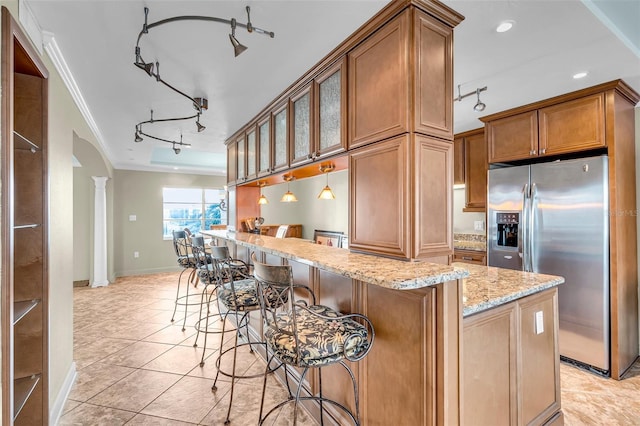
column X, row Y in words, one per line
column 23, row 222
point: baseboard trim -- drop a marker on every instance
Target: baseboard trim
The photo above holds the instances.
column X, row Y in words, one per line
column 147, row 271
column 55, row 410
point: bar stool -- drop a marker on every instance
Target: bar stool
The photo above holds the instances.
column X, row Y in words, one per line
column 307, row 336
column 182, row 248
column 237, row 293
column 207, row 276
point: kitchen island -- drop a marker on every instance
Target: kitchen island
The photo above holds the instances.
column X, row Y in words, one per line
column 414, row 372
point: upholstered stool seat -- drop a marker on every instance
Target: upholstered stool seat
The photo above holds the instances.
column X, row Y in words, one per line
column 187, row 261
column 323, row 337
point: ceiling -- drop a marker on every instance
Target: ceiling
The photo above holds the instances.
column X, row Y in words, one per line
column 549, row 43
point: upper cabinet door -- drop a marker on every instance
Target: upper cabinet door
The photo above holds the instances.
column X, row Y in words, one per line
column 331, row 107
column 379, row 84
column 242, row 158
column 232, row 162
column 433, row 47
column 280, row 138
column 301, row 125
column 251, row 153
column 572, row 126
column 513, row 138
column 264, row 146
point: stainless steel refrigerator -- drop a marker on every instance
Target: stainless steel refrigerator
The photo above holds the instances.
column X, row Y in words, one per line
column 553, row 218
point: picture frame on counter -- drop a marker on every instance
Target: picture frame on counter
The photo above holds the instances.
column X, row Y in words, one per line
column 328, row 238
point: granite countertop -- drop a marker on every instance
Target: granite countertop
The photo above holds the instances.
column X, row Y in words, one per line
column 385, row 272
column 474, row 242
column 487, row 287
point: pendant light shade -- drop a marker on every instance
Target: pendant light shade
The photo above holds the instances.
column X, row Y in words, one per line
column 326, row 193
column 288, row 196
column 262, row 199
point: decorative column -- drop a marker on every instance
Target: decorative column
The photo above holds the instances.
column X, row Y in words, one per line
column 100, row 233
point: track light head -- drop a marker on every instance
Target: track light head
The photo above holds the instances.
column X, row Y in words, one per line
column 200, row 126
column 479, row 106
column 176, row 150
column 237, row 47
column 148, row 68
column 138, row 137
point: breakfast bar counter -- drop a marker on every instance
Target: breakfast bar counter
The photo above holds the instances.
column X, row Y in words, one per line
column 442, row 333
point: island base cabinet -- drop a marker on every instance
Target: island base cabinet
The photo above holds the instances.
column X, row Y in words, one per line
column 511, row 371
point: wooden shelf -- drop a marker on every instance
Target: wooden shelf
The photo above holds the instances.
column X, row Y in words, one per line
column 20, row 309
column 20, row 142
column 22, row 389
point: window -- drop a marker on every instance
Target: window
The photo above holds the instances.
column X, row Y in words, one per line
column 193, row 208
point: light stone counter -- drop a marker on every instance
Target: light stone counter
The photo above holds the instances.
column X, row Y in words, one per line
column 487, row 287
column 376, row 270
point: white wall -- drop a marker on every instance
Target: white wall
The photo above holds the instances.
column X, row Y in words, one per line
column 463, row 221
column 328, row 215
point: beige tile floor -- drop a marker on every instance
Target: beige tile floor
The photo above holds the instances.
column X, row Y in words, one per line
column 137, row 368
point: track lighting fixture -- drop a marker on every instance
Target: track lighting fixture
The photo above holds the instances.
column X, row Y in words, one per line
column 326, row 193
column 288, row 196
column 479, row 106
column 153, row 70
column 176, row 150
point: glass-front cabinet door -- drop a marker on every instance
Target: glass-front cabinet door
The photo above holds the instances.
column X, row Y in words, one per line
column 331, row 110
column 264, row 146
column 242, row 159
column 301, row 128
column 232, row 162
column 251, row 153
column 280, row 139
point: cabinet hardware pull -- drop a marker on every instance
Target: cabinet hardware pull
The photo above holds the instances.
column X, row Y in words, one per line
column 532, row 152
column 543, row 151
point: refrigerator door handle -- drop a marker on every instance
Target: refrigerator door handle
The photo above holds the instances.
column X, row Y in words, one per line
column 524, row 229
column 532, row 221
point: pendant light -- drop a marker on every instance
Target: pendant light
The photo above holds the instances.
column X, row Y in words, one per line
column 326, row 193
column 288, row 196
column 262, row 199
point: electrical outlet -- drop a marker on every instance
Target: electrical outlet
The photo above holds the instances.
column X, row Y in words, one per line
column 136, row 254
column 478, row 225
column 539, row 322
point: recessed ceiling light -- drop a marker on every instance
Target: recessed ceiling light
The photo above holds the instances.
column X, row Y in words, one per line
column 580, row 75
column 175, row 168
column 504, row 26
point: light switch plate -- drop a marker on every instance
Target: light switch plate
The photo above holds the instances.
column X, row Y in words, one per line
column 478, row 225
column 132, row 218
column 539, row 322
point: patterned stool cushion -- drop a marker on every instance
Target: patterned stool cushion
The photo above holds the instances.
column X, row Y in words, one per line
column 321, row 340
column 246, row 295
column 206, row 276
column 187, row 261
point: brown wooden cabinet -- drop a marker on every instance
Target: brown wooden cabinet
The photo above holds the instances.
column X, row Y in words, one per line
column 251, row 144
column 25, row 285
column 264, row 146
column 232, row 163
column 331, row 110
column 475, row 170
column 241, row 158
column 511, row 371
column 470, row 256
column 280, row 138
column 567, row 127
column 396, row 187
column 302, row 138
column 600, row 117
column 458, row 161
column 379, row 84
